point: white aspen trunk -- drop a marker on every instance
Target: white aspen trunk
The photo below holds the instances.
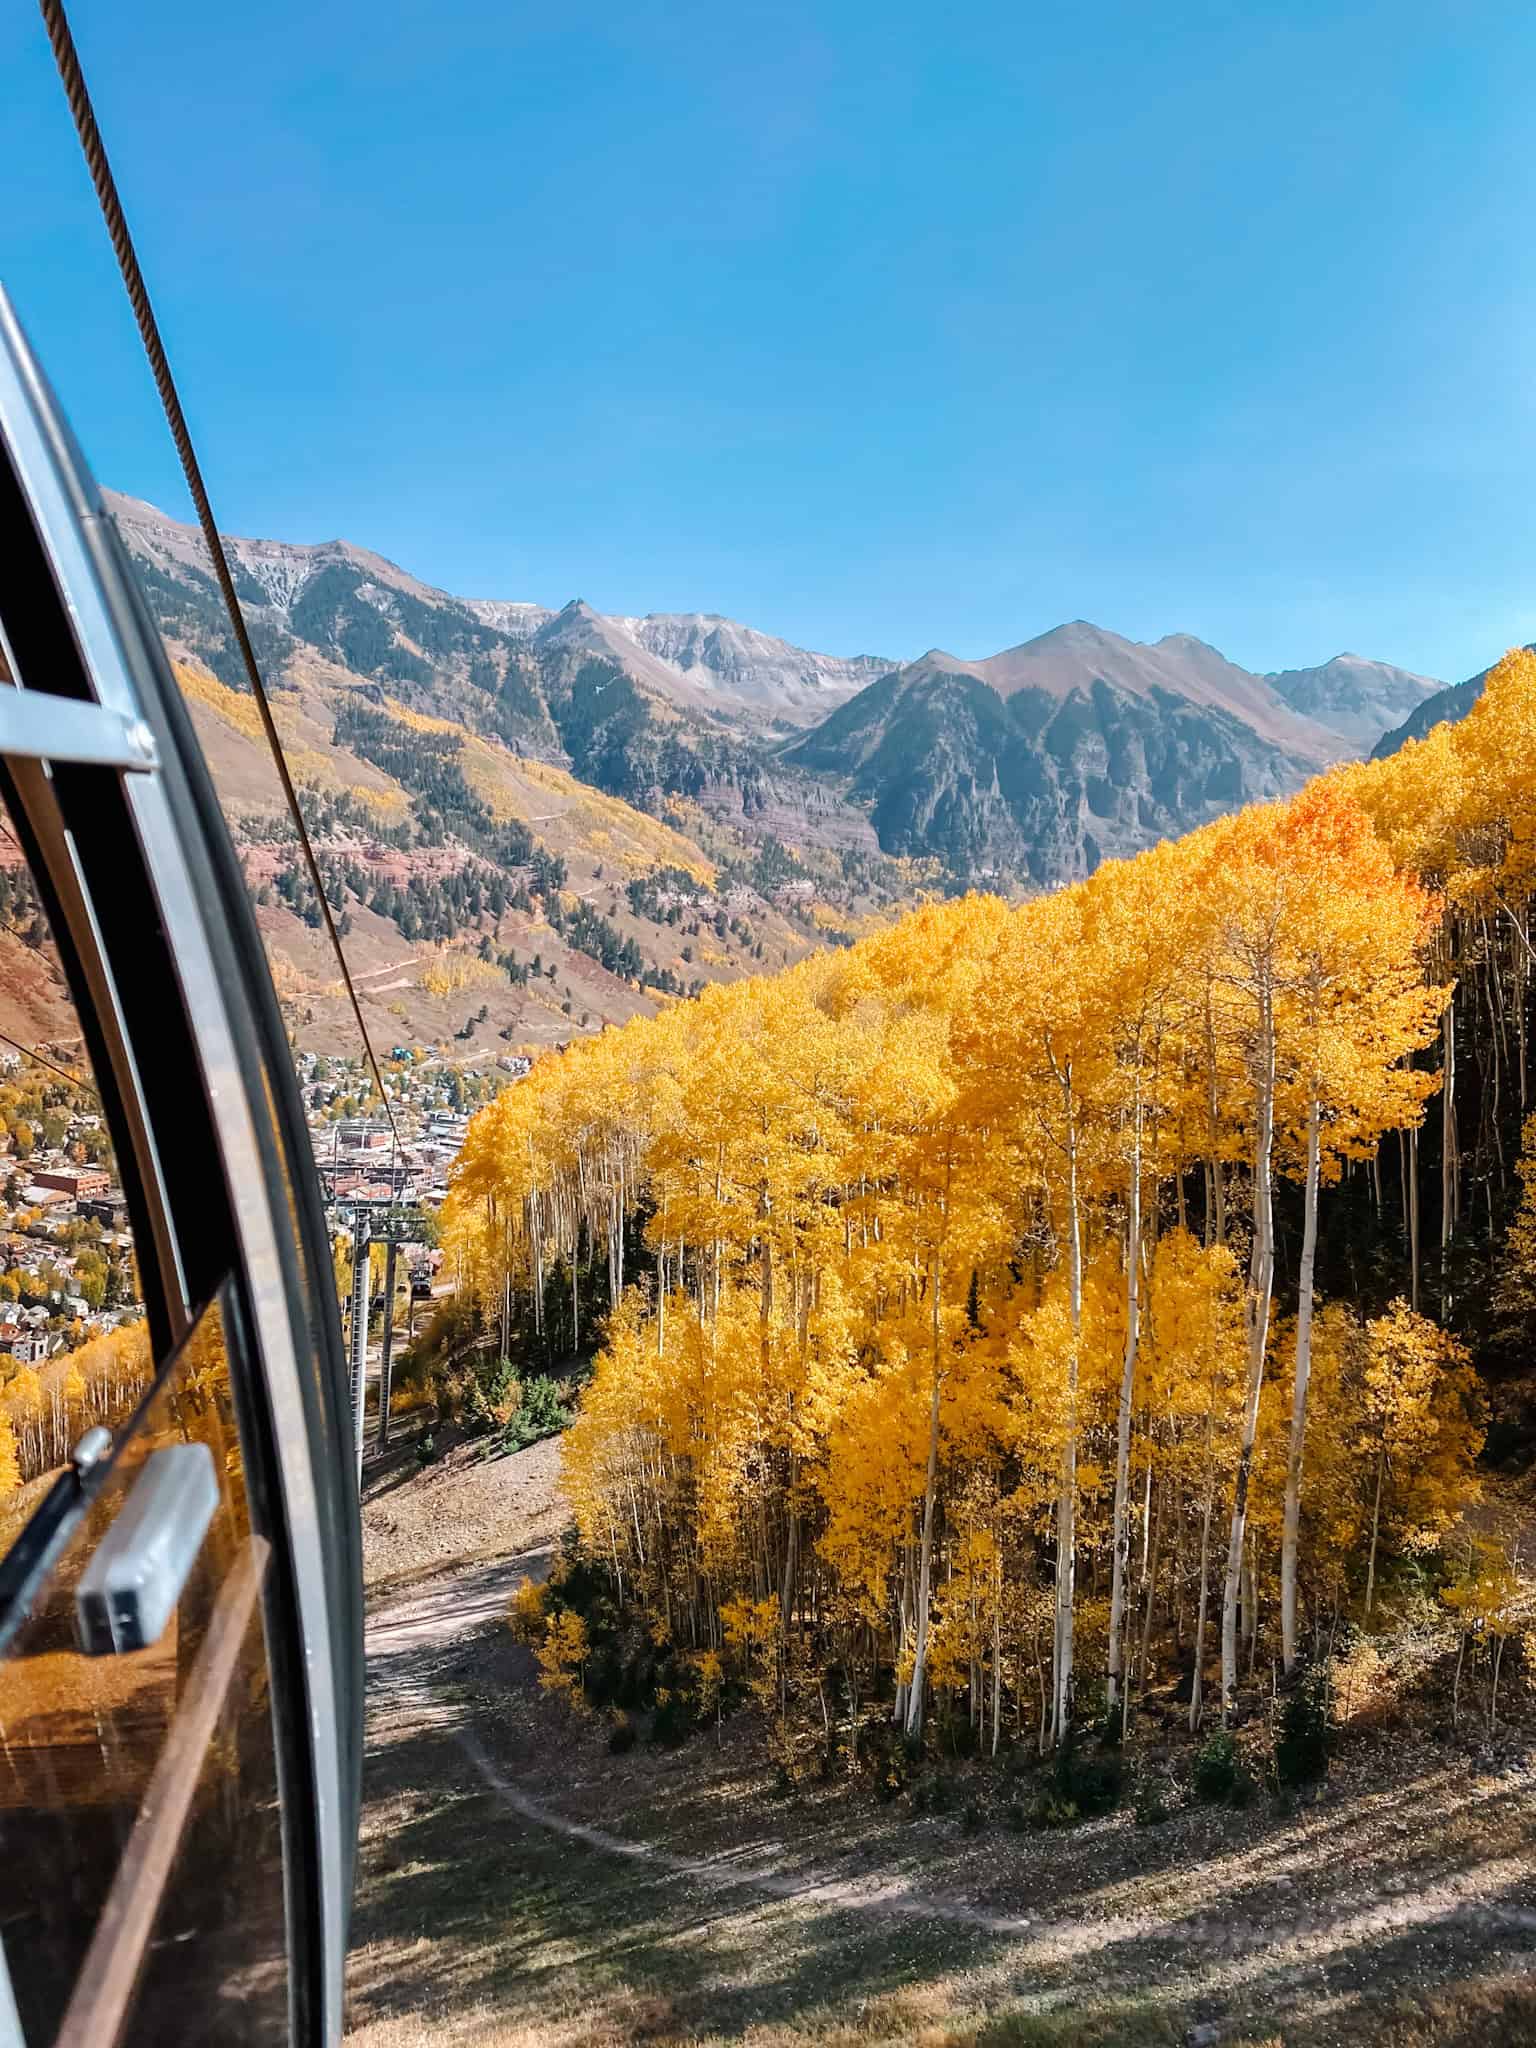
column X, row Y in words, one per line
column 1413, row 1220
column 1045, row 1705
column 1122, row 1510
column 1402, row 1167
column 903, row 1630
column 1197, row 1682
column 1520, row 979
column 719, row 1194
column 1291, row 1536
column 1154, row 1549
column 1218, row 1213
column 1261, row 1276
column 914, row 1723
column 661, row 1300
column 1066, row 1505
column 1449, row 1163
column 1370, row 1569
column 997, row 1664
column 1493, row 1691
column 536, row 1233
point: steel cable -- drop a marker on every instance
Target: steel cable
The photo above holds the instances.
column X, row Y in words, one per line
column 73, row 80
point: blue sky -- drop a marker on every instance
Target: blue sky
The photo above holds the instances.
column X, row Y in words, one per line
column 879, row 326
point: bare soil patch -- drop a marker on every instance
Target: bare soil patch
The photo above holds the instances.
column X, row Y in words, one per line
column 472, row 1503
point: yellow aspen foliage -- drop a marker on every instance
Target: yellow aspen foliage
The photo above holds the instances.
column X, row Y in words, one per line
column 1516, row 1293
column 961, row 1292
column 563, row 1655
column 751, row 1632
column 1489, row 1604
column 525, row 1611
column 1421, row 1425
column 10, row 1463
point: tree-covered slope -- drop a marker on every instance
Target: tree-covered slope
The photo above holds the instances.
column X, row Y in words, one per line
column 1445, row 707
column 1101, row 1303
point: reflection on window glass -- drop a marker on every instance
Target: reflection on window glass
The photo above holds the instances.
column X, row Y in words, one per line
column 142, row 1873
column 73, row 1345
column 117, row 1768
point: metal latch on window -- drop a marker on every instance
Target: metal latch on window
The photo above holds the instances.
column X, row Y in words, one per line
column 129, row 1590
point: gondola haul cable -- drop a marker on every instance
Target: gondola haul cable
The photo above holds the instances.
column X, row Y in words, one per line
column 30, row 1052
column 73, row 80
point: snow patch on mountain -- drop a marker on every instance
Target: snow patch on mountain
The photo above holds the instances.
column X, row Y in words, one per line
column 280, row 571
column 509, row 616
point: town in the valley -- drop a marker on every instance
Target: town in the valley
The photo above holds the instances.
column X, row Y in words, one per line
column 67, row 1270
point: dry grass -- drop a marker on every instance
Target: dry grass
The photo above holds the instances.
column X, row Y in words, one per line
column 238, row 711
column 1397, row 1909
column 1501, row 2015
column 469, row 1506
column 915, row 2018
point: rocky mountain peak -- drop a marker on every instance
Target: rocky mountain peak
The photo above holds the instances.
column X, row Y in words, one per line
column 1035, row 763
column 1353, row 697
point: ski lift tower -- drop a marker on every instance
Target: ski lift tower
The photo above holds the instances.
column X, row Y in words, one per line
column 391, row 1224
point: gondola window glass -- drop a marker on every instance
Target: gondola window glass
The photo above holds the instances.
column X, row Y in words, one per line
column 142, row 1886
column 141, row 1873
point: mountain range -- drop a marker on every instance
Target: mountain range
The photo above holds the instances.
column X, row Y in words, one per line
column 1356, row 698
column 1039, row 762
column 1035, row 761
column 537, row 820
column 680, row 797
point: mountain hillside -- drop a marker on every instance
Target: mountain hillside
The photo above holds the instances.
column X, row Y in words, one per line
column 486, row 896
column 787, row 683
column 644, row 709
column 1046, row 759
column 344, row 600
column 1444, row 707
column 1354, row 697
column 709, row 662
column 1022, row 768
column 1080, row 656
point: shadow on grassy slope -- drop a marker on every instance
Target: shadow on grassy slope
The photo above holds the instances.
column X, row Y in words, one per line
column 473, row 1926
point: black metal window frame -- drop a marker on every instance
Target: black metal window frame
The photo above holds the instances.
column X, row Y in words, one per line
column 158, row 942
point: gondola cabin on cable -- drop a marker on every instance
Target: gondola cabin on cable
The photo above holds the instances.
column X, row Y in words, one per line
column 180, row 1604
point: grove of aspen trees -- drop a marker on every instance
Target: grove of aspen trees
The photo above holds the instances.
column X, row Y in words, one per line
column 1032, row 1300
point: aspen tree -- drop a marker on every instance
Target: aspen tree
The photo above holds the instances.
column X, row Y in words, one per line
column 926, row 1329
column 1420, row 1430
column 1137, row 915
column 1359, row 1008
column 1250, row 890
